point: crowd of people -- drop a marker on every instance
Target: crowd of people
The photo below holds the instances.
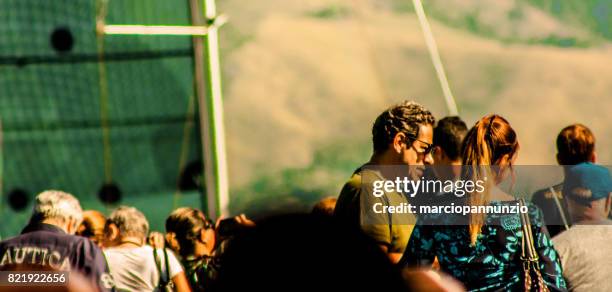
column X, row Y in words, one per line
column 560, row 244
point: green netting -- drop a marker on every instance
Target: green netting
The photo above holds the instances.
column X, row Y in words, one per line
column 50, row 104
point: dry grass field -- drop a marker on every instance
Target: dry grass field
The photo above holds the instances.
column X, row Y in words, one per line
column 305, row 79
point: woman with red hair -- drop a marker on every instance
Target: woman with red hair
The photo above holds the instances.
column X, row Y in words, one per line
column 485, row 250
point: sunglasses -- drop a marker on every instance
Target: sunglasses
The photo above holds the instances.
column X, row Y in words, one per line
column 426, row 151
column 208, row 224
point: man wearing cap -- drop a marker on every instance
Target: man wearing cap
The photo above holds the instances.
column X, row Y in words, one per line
column 585, row 249
column 575, row 145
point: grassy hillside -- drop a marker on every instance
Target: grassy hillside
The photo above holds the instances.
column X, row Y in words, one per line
column 593, row 15
column 545, row 22
column 305, row 79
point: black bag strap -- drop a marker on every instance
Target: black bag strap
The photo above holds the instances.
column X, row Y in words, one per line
column 167, row 265
column 163, row 281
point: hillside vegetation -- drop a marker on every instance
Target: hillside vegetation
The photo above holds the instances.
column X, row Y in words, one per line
column 305, row 79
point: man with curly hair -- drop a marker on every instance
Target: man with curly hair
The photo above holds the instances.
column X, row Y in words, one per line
column 402, row 140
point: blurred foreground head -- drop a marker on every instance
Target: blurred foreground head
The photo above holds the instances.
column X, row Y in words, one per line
column 305, row 252
column 325, row 207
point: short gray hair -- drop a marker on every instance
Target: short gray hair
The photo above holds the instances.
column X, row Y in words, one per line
column 130, row 221
column 54, row 204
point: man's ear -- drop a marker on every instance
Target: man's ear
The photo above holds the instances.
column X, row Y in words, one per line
column 172, row 242
column 438, row 154
column 72, row 226
column 207, row 236
column 398, row 140
column 112, row 232
column 504, row 160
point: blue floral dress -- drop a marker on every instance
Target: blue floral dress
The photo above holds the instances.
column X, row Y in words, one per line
column 493, row 264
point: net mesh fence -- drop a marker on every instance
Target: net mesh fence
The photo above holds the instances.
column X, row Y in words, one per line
column 79, row 111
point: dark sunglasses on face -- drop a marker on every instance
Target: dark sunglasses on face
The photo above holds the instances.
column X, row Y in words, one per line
column 208, row 224
column 430, row 147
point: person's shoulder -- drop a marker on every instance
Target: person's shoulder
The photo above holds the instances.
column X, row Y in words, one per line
column 580, row 233
column 147, row 250
column 534, row 210
column 141, row 250
column 566, row 239
column 563, row 236
column 83, row 246
column 113, row 254
column 539, row 195
column 10, row 240
column 546, row 194
column 364, row 176
column 83, row 242
column 160, row 252
column 353, row 185
column 45, row 236
column 171, row 255
column 81, row 239
column 165, row 255
column 354, row 182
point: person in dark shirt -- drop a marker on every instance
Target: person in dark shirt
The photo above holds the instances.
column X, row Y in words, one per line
column 48, row 242
column 575, row 144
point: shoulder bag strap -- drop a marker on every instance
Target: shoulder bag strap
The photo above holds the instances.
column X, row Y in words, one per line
column 529, row 256
column 528, row 248
column 167, row 266
column 162, row 282
column 554, row 193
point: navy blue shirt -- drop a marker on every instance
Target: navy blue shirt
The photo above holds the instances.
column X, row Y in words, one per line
column 48, row 247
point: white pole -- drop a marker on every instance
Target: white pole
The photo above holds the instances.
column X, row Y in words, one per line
column 1, row 173
column 155, row 30
column 207, row 68
column 1, row 167
column 435, row 58
column 194, row 30
column 207, row 79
